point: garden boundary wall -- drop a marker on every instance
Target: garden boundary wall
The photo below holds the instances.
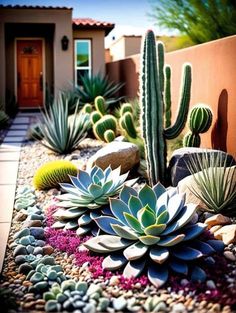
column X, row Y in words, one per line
column 213, row 83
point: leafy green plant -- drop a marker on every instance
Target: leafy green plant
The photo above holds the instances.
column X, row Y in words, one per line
column 216, row 181
column 89, row 191
column 152, row 229
column 61, row 134
column 200, row 119
column 4, row 118
column 49, row 174
column 152, row 104
column 34, row 132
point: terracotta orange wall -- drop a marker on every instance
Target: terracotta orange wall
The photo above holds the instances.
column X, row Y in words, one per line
column 214, row 83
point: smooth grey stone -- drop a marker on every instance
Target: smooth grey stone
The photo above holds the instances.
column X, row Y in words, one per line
column 119, row 303
column 36, row 217
column 25, row 268
column 37, row 232
column 40, row 243
column 20, row 250
column 38, row 250
column 79, row 304
column 21, row 233
column 19, row 259
column 30, row 249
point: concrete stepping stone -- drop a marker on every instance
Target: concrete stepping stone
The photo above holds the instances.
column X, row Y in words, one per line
column 18, row 127
column 11, row 146
column 8, row 170
column 16, row 133
column 8, row 139
column 21, row 120
column 7, row 195
column 4, row 233
column 9, row 155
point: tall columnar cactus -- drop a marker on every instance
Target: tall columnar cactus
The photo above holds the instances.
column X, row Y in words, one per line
column 152, row 103
column 200, row 120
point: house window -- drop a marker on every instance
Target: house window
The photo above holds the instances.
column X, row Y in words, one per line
column 82, row 59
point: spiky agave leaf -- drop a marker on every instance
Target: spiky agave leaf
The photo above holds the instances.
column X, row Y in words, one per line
column 151, row 229
column 88, row 194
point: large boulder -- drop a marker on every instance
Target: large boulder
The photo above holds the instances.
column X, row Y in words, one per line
column 178, row 163
column 189, row 186
column 124, row 154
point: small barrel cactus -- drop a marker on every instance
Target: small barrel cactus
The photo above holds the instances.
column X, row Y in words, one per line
column 100, row 105
column 152, row 229
column 87, row 108
column 49, row 175
column 199, row 122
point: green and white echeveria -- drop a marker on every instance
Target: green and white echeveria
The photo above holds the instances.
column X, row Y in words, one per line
column 152, row 229
column 86, row 197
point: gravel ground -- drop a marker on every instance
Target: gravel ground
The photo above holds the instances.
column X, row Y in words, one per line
column 170, row 299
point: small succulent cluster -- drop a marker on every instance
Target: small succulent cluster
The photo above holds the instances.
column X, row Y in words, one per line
column 200, row 120
column 71, row 295
column 86, row 197
column 49, row 174
column 104, row 125
column 25, row 197
column 152, row 229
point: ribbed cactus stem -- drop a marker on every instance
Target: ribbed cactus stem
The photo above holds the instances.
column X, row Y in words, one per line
column 126, row 107
column 160, row 58
column 200, row 119
column 127, row 124
column 100, row 105
column 167, row 96
column 152, row 112
column 174, row 131
column 95, row 116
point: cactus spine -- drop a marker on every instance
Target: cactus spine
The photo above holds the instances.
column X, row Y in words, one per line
column 200, row 120
column 152, row 103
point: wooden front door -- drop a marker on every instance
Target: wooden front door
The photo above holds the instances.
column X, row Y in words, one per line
column 29, row 73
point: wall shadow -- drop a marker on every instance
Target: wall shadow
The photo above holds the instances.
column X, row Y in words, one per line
column 220, row 128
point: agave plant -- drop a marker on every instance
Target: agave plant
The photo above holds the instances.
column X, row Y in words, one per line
column 87, row 197
column 216, row 181
column 61, row 134
column 154, row 229
column 98, row 85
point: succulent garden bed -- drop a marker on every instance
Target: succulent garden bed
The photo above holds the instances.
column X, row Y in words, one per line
column 88, row 236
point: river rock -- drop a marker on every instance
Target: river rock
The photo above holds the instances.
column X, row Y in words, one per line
column 21, row 233
column 227, row 234
column 32, row 223
column 122, row 154
column 217, row 219
column 177, row 166
column 37, row 232
column 25, row 268
column 20, row 250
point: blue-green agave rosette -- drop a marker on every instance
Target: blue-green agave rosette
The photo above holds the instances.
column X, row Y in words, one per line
column 152, row 229
column 87, row 196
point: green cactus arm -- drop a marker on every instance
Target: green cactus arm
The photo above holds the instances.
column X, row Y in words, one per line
column 200, row 119
column 179, row 124
column 100, row 105
column 127, row 124
column 161, row 61
column 107, row 122
column 167, row 96
column 95, row 116
column 126, row 107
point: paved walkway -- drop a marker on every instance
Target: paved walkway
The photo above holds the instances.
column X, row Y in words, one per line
column 9, row 160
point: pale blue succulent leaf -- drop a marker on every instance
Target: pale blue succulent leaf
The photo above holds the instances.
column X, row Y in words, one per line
column 104, row 223
column 162, row 203
column 85, row 219
column 134, row 205
column 184, row 217
column 95, row 190
column 126, row 193
column 118, row 208
column 175, row 204
column 125, row 232
column 135, row 251
column 178, row 266
column 134, row 268
column 114, row 262
column 114, row 243
column 159, row 254
column 84, row 179
column 159, row 189
column 107, row 186
column 158, row 274
column 194, row 230
column 217, row 245
column 204, row 247
column 198, row 275
column 148, row 197
column 171, row 240
column 186, row 253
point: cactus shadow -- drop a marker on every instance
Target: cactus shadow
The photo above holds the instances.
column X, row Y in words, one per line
column 220, row 128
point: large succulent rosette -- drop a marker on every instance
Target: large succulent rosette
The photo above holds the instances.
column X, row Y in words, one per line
column 153, row 229
column 87, row 197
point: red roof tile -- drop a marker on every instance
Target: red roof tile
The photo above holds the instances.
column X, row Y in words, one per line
column 92, row 24
column 33, row 7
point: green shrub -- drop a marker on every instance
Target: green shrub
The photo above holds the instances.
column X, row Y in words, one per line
column 34, row 132
column 49, row 175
